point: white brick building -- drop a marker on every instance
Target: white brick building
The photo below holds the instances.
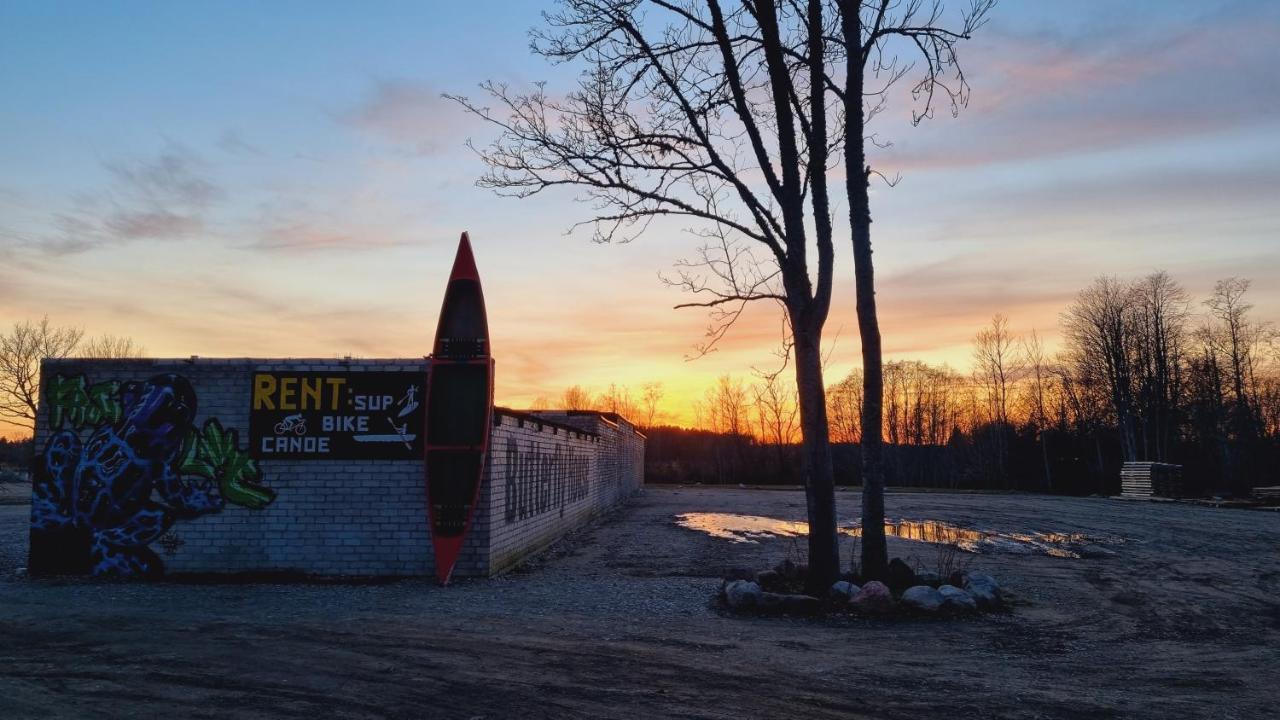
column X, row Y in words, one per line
column 546, row 474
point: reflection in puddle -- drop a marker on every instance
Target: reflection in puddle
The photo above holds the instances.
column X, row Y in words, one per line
column 752, row 528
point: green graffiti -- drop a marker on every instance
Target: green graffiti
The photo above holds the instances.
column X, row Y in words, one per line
column 213, row 453
column 74, row 401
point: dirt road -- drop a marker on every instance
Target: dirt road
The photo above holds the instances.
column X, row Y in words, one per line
column 1182, row 621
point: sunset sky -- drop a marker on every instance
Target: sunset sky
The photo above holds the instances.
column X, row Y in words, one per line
column 284, row 179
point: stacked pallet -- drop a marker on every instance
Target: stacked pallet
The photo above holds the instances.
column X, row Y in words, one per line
column 1268, row 494
column 1150, row 479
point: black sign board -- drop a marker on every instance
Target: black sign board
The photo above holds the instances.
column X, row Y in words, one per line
column 337, row 415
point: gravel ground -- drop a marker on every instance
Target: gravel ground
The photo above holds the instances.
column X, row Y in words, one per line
column 1182, row 621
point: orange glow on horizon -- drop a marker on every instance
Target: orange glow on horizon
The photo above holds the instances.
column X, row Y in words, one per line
column 537, row 360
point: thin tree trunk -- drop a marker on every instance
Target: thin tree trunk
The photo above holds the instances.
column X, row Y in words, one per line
column 824, row 557
column 1044, row 454
column 875, row 553
column 1102, row 468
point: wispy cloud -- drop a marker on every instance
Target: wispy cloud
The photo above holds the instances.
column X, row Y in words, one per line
column 232, row 143
column 289, row 224
column 412, row 116
column 306, row 237
column 166, row 197
column 174, row 177
column 1043, row 95
column 158, row 224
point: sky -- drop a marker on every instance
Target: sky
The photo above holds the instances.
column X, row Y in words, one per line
column 284, row 179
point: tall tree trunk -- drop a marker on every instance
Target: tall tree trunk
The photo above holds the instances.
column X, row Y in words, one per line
column 819, row 487
column 875, row 553
column 1102, row 467
column 1044, row 454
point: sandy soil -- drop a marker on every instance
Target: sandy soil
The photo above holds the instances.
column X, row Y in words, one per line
column 1183, row 621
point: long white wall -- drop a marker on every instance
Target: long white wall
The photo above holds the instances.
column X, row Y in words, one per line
column 545, row 476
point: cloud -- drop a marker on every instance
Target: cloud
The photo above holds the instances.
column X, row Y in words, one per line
column 232, row 143
column 166, row 197
column 174, row 177
column 305, row 237
column 1041, row 95
column 942, row 303
column 411, row 116
column 298, row 226
column 157, row 225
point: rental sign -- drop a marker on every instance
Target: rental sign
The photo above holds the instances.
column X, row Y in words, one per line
column 337, row 416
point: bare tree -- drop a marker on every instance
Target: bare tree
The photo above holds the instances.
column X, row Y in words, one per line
column 1239, row 340
column 1268, row 398
column 844, row 408
column 725, row 409
column 728, row 398
column 1162, row 308
column 996, row 366
column 732, row 117
column 1235, row 347
column 577, row 398
column 21, row 351
column 110, row 346
column 650, row 398
column 1039, row 380
column 691, row 111
column 776, row 413
column 1099, row 329
column 618, row 399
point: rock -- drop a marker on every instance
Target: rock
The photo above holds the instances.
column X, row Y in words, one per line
column 801, row 604
column 956, row 600
column 843, row 590
column 873, row 598
column 770, row 602
column 788, row 570
column 922, row 598
column 900, row 576
column 957, row 578
column 769, row 579
column 984, row 590
column 742, row 594
column 931, row 579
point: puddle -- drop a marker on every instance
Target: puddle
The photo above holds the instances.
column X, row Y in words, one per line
column 753, row 528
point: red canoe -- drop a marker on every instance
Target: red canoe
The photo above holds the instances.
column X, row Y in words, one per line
column 459, row 411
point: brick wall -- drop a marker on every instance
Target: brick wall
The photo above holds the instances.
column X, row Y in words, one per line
column 552, row 472
column 368, row 517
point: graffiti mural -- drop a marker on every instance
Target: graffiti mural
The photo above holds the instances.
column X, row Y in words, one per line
column 98, row 503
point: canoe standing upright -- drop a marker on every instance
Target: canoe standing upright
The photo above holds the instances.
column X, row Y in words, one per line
column 459, row 411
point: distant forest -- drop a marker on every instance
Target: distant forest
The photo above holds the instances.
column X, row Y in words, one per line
column 15, row 456
column 1145, row 373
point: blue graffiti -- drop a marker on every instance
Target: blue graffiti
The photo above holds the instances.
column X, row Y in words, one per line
column 97, row 506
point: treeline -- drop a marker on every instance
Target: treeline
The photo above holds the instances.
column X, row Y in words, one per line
column 15, row 459
column 15, row 453
column 1144, row 373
